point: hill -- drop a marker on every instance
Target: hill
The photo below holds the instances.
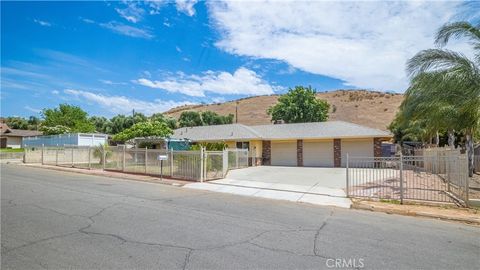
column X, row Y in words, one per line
column 368, row 108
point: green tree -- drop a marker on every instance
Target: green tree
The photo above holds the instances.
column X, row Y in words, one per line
column 190, row 119
column 454, row 78
column 69, row 116
column 144, row 129
column 59, row 129
column 171, row 122
column 299, row 105
column 34, row 123
column 210, row 118
column 17, row 122
column 101, row 123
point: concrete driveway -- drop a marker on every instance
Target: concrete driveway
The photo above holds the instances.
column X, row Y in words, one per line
column 321, row 186
column 301, row 176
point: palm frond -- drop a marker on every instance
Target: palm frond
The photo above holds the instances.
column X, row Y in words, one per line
column 439, row 60
column 457, row 30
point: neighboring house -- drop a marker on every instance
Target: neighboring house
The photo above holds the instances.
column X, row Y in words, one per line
column 320, row 144
column 75, row 139
column 12, row 138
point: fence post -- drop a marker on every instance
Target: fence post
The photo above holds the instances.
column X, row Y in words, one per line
column 43, row 150
column 225, row 162
column 236, row 159
column 104, row 156
column 401, row 178
column 171, row 162
column 146, row 160
column 466, row 178
column 348, row 180
column 123, row 158
column 201, row 164
column 72, row 158
column 56, row 156
column 448, row 163
column 89, row 158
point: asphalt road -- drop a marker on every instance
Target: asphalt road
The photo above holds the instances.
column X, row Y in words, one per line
column 56, row 220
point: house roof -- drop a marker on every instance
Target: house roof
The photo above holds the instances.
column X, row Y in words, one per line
column 316, row 130
column 5, row 130
column 218, row 132
column 22, row 133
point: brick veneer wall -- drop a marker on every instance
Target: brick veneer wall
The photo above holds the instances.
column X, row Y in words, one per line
column 300, row 153
column 337, row 152
column 266, row 152
column 377, row 147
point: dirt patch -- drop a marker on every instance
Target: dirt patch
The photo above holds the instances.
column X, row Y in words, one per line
column 445, row 212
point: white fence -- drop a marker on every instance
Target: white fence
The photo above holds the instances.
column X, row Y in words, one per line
column 188, row 165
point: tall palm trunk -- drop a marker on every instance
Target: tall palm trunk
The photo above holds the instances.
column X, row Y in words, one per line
column 470, row 149
column 451, row 138
column 437, row 139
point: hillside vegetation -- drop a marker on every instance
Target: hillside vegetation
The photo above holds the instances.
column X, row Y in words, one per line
column 368, row 108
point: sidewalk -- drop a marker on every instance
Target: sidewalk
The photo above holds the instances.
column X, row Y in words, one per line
column 452, row 213
column 129, row 176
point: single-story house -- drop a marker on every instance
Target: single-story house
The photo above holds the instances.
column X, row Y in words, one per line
column 12, row 138
column 76, row 139
column 319, row 144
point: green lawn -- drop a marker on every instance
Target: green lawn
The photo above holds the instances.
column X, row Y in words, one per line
column 11, row 150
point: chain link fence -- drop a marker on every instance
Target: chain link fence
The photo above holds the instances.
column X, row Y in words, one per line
column 188, row 165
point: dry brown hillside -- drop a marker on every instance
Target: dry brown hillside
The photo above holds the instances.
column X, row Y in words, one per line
column 369, row 108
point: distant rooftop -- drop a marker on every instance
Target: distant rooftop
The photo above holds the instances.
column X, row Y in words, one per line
column 7, row 131
column 315, row 130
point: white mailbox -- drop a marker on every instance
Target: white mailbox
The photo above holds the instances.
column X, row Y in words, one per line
column 162, row 157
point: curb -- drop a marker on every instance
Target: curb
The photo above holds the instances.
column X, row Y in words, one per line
column 124, row 176
column 360, row 206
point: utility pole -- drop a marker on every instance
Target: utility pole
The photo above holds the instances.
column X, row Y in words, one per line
column 236, row 111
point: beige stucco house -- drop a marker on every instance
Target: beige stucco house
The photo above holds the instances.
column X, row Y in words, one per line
column 12, row 138
column 319, row 144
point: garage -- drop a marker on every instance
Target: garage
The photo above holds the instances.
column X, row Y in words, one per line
column 358, row 147
column 318, row 153
column 284, row 153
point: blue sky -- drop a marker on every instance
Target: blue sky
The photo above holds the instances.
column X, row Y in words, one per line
column 112, row 57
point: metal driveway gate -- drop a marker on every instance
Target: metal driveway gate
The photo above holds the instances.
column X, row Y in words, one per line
column 424, row 178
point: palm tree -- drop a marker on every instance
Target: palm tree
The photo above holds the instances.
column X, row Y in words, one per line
column 453, row 78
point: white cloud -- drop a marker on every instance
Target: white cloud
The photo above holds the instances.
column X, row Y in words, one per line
column 186, row 6
column 32, row 109
column 132, row 12
column 127, row 30
column 55, row 92
column 43, row 23
column 242, row 82
column 108, row 82
column 366, row 44
column 122, row 104
column 86, row 20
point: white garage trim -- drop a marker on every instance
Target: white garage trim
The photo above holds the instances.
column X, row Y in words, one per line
column 359, row 148
column 318, row 153
column 284, row 153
